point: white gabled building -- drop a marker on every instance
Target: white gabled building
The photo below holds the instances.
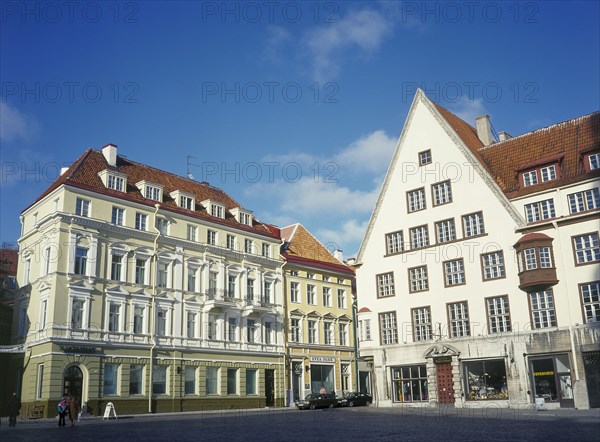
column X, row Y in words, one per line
column 478, row 276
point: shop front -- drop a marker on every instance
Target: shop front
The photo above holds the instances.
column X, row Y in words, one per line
column 322, row 374
column 551, row 379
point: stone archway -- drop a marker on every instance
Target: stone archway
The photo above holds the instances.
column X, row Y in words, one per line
column 73, row 382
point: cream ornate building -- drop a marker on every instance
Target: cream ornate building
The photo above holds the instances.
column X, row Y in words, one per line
column 148, row 290
column 478, row 276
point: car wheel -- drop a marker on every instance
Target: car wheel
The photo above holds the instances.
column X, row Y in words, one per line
column 312, row 406
column 351, row 404
column 331, row 405
column 367, row 403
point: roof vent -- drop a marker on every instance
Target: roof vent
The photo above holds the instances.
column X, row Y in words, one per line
column 503, row 136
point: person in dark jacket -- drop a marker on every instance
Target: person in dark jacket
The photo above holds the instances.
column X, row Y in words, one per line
column 14, row 405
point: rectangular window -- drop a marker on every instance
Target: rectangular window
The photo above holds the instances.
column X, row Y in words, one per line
column 191, row 232
column 419, row 237
column 410, row 384
column 341, row 296
column 425, row 157
column 416, row 199
column 211, row 237
column 191, row 279
column 82, row 207
column 250, row 331
column 140, row 221
column 191, row 324
column 540, row 210
column 140, row 271
column 248, row 246
column 343, row 332
column 327, row 296
column 231, row 285
column 313, row 338
column 548, row 173
column 114, row 313
column 485, row 380
column 311, row 294
column 418, row 279
column 458, row 316
column 454, row 272
column 81, row 260
column 110, row 379
column 268, row 333
column 230, row 242
column 162, row 225
column 328, row 333
column 40, row 382
column 212, row 380
column 492, row 265
column 295, row 330
column 136, row 379
column 162, row 274
column 498, row 314
column 473, row 224
column 159, row 379
column 116, row 183
column 232, row 330
column 587, row 248
column 190, row 380
column 530, row 178
column 251, row 381
column 545, row 257
column 115, row 267
column 138, row 319
column 394, row 242
column 217, row 210
column 186, row 202
column 367, row 329
column 232, row 381
column 212, row 284
column 161, row 322
column 152, row 193
column 422, row 328
column 594, row 161
column 294, row 292
column 77, row 314
column 118, row 216
column 245, row 218
column 266, row 250
column 43, row 314
column 530, row 259
column 385, row 285
column 442, row 193
column 585, row 200
column 250, row 289
column 267, row 292
column 590, row 300
column 388, row 329
column 542, row 309
column 445, row 231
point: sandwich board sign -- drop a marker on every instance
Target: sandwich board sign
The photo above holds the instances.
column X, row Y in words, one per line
column 110, row 409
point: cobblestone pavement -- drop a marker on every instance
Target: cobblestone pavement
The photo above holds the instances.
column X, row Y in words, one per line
column 350, row 424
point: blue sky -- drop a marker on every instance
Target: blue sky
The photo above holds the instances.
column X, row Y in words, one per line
column 293, row 108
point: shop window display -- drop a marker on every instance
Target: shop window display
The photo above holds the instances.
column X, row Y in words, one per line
column 485, row 380
column 410, row 384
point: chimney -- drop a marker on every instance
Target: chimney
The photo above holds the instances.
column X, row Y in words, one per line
column 339, row 255
column 503, row 136
column 484, row 129
column 110, row 153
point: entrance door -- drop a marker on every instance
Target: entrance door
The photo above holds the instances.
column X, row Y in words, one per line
column 296, row 380
column 73, row 382
column 270, row 387
column 445, row 385
column 591, row 365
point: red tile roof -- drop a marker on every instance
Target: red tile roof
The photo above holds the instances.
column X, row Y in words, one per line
column 83, row 173
column 564, row 142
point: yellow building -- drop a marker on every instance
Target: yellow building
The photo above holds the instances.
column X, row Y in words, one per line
column 318, row 308
column 150, row 291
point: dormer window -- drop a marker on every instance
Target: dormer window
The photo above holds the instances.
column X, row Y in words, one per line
column 149, row 190
column 113, row 180
column 530, row 178
column 540, row 171
column 242, row 216
column 183, row 199
column 591, row 161
column 548, row 173
column 214, row 208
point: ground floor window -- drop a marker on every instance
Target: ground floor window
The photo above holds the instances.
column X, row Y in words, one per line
column 552, row 377
column 110, row 379
column 212, row 380
column 159, row 380
column 322, row 376
column 251, row 381
column 190, row 380
column 485, row 379
column 232, row 380
column 136, row 376
column 410, row 383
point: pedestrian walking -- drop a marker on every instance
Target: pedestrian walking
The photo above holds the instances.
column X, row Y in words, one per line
column 62, row 412
column 14, row 405
column 73, row 406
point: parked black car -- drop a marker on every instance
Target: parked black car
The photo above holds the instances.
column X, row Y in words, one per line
column 314, row 400
column 354, row 398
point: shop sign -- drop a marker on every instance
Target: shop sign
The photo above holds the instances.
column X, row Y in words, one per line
column 442, row 360
column 321, row 359
column 78, row 349
column 543, row 373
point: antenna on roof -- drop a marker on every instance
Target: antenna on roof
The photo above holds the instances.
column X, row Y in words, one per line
column 188, row 164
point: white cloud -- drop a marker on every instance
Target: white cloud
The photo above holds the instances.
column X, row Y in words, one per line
column 277, row 38
column 349, row 232
column 15, row 125
column 468, row 110
column 368, row 154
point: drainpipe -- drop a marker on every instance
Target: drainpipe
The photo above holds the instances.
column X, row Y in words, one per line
column 562, row 265
column 286, row 356
column 355, row 324
column 152, row 305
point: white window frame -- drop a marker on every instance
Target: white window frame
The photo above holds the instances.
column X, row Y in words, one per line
column 442, row 193
column 416, row 200
column 83, row 207
column 394, row 242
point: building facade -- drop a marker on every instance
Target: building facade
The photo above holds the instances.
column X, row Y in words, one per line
column 318, row 305
column 479, row 271
column 147, row 290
